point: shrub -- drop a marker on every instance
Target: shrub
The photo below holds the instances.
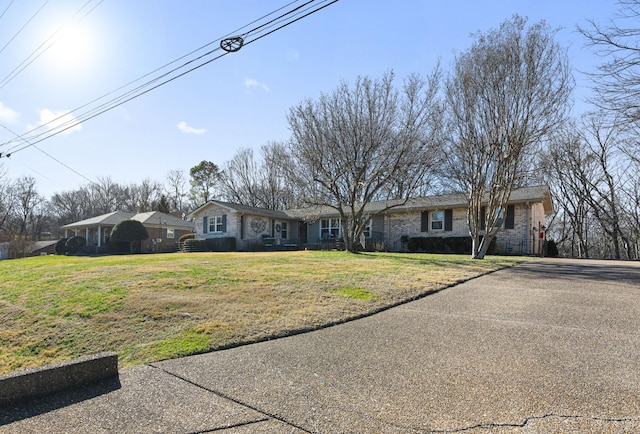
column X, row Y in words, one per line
column 60, row 247
column 552, row 249
column 458, row 245
column 186, row 237
column 226, row 244
column 75, row 245
column 131, row 231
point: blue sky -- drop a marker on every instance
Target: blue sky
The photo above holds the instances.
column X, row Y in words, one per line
column 237, row 101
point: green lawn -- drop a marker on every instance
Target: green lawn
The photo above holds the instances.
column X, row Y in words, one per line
column 153, row 307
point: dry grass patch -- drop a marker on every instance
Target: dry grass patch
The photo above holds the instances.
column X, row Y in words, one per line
column 153, row 307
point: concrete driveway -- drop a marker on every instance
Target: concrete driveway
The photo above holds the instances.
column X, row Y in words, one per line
column 547, row 346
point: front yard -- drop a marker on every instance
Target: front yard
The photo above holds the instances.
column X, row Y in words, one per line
column 152, row 307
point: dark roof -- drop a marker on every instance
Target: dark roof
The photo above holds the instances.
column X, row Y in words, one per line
column 152, row 218
column 244, row 209
column 539, row 193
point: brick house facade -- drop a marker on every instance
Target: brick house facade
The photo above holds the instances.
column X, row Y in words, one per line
column 434, row 216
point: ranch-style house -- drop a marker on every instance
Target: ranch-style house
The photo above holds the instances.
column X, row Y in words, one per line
column 435, row 218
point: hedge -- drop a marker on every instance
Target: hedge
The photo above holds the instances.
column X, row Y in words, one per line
column 459, row 245
column 226, row 244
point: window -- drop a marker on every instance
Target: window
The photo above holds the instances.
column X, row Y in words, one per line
column 437, row 220
column 284, row 232
column 505, row 219
column 367, row 229
column 329, row 228
column 215, row 224
column 171, row 233
column 499, row 218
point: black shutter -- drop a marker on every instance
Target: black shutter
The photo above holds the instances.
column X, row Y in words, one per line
column 424, row 221
column 483, row 218
column 448, row 220
column 205, row 225
column 510, row 220
column 224, row 223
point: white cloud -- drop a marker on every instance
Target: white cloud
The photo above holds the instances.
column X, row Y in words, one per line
column 251, row 83
column 7, row 115
column 62, row 121
column 182, row 126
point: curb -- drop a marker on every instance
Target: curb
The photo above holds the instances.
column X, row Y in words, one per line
column 29, row 383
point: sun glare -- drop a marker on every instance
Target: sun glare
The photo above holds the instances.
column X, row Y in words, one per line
column 72, row 52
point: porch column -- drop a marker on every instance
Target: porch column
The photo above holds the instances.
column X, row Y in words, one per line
column 99, row 235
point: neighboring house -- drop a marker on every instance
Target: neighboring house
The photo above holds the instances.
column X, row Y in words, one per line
column 24, row 248
column 41, row 248
column 163, row 229
column 253, row 228
column 434, row 216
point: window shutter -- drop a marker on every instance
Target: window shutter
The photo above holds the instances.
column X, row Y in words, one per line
column 510, row 219
column 448, row 220
column 483, row 218
column 424, row 221
column 224, row 223
column 205, row 225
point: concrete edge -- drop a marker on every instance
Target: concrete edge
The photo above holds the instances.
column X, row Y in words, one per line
column 33, row 382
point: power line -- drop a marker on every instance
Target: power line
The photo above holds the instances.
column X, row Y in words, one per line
column 6, row 9
column 262, row 30
column 47, row 154
column 35, row 54
column 140, row 90
column 24, row 25
column 62, row 127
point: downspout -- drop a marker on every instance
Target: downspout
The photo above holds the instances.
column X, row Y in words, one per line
column 527, row 231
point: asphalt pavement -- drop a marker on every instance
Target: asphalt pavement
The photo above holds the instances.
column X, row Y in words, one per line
column 547, row 346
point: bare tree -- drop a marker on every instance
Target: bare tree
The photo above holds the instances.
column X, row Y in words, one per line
column 505, row 96
column 240, row 178
column 275, row 189
column 259, row 182
column 72, row 206
column 602, row 142
column 176, row 190
column 347, row 147
column 143, row 197
column 7, row 203
column 617, row 81
column 27, row 199
column 107, row 196
column 569, row 167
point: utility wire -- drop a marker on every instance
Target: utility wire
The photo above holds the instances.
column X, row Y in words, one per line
column 25, row 25
column 35, row 54
column 48, row 155
column 130, row 92
column 280, row 22
column 6, row 9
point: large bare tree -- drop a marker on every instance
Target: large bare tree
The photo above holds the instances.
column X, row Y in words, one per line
column 175, row 187
column 569, row 167
column 258, row 181
column 506, row 94
column 617, row 80
column 347, row 147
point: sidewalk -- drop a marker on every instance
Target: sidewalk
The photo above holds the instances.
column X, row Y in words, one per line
column 550, row 346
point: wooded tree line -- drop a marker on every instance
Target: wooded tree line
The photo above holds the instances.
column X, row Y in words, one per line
column 499, row 119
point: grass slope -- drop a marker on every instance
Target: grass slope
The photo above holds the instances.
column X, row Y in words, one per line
column 153, row 307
